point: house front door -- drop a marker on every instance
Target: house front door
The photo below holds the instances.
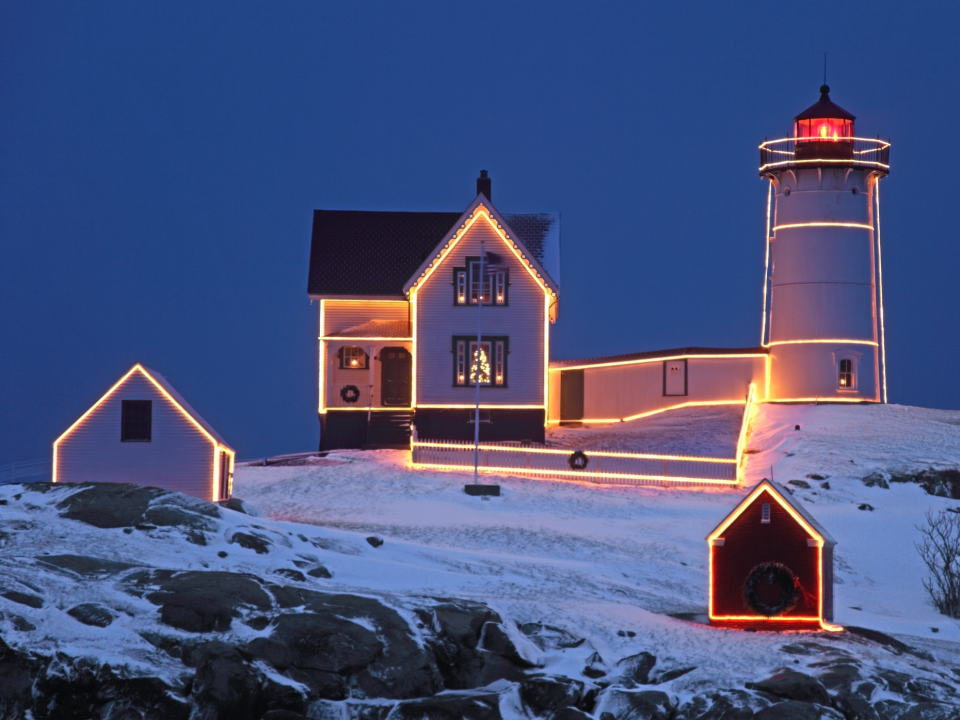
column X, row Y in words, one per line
column 395, row 376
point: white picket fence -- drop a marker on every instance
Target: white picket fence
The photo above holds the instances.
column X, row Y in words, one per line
column 27, row 471
column 599, row 466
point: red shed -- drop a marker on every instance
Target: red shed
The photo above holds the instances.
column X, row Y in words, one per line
column 771, row 565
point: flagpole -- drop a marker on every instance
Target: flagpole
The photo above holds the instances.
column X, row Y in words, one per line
column 476, row 417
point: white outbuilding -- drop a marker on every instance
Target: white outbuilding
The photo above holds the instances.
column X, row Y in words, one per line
column 142, row 431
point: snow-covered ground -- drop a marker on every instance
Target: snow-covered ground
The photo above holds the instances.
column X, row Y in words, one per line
column 594, row 560
column 599, row 559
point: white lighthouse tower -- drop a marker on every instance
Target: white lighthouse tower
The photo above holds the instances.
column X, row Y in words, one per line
column 823, row 305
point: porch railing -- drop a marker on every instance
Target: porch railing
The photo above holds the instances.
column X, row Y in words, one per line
column 26, row 471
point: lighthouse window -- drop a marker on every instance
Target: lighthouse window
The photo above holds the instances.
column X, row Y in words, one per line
column 846, row 375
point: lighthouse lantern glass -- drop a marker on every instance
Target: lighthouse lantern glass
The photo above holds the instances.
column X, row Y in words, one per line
column 823, row 129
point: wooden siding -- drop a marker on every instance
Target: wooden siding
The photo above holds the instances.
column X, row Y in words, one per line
column 336, row 378
column 748, row 543
column 439, row 320
column 622, row 391
column 179, row 457
column 342, row 314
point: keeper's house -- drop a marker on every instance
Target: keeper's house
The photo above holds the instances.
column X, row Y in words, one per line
column 142, row 431
column 771, row 565
column 400, row 295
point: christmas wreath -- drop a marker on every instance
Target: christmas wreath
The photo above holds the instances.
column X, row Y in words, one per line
column 349, row 393
column 578, row 460
column 771, row 589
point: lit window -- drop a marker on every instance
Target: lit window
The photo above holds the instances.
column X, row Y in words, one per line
column 353, row 358
column 488, row 366
column 765, row 513
column 845, row 378
column 468, row 286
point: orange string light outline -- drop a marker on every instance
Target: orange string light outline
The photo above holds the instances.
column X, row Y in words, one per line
column 792, row 226
column 217, row 445
column 364, row 338
column 831, row 341
column 464, row 406
column 579, row 473
column 323, row 361
column 766, row 268
column 642, row 361
column 703, row 403
column 883, row 344
column 597, row 453
column 765, row 487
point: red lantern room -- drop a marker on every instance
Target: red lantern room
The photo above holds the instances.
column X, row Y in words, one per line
column 824, row 130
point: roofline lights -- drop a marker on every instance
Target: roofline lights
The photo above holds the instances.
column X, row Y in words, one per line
column 822, row 224
column 217, row 445
column 765, row 487
column 656, row 359
column 501, row 233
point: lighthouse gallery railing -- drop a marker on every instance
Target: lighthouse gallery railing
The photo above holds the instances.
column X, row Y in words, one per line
column 849, row 152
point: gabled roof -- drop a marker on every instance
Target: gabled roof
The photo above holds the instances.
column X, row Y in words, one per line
column 481, row 207
column 785, row 498
column 376, row 329
column 179, row 400
column 370, row 253
column 165, row 388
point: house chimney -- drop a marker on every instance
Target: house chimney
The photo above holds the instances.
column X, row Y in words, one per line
column 483, row 185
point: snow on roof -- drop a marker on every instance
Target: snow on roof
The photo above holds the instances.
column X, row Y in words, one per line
column 178, row 398
column 377, row 329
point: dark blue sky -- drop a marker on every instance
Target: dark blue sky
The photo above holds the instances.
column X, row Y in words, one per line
column 160, row 162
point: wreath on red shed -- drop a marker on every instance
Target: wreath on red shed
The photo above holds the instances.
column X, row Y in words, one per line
column 349, row 393
column 770, row 589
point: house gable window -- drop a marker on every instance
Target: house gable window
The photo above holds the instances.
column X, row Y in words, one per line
column 468, row 286
column 353, row 358
column 136, row 421
column 488, row 366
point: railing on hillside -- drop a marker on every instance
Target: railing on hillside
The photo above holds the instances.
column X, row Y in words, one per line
column 27, row 471
column 856, row 152
column 597, row 466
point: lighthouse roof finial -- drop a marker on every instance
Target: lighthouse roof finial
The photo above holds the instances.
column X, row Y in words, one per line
column 825, row 108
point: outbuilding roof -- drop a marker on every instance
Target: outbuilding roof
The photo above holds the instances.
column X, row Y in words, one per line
column 179, row 400
column 783, row 494
column 374, row 253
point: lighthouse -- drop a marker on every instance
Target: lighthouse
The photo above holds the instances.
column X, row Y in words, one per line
column 823, row 305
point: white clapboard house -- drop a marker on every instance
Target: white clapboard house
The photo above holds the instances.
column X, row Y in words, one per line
column 142, row 431
column 399, row 295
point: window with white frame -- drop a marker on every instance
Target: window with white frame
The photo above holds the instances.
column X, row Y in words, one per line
column 846, row 377
column 486, row 365
column 470, row 284
column 353, row 358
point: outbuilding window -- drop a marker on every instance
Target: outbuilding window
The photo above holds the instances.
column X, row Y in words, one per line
column 765, row 513
column 353, row 358
column 136, row 421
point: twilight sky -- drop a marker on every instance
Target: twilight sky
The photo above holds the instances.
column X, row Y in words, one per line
column 160, row 163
